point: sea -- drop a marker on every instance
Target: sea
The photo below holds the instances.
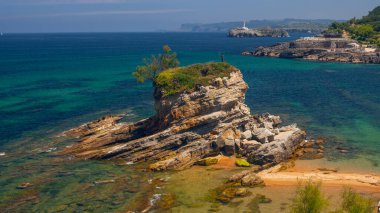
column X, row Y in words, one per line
column 50, row 83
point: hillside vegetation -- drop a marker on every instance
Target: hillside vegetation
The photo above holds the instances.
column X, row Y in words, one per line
column 365, row 30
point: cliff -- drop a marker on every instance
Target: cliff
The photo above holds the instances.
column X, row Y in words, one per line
column 321, row 49
column 241, row 32
column 190, row 124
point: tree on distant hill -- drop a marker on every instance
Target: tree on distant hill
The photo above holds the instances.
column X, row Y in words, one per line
column 366, row 29
column 156, row 64
column 362, row 32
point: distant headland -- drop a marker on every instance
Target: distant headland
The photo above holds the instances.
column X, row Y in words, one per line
column 355, row 41
column 290, row 25
column 244, row 31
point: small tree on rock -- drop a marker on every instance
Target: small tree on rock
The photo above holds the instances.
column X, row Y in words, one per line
column 156, row 64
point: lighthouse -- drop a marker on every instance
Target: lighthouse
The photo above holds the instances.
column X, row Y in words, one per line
column 244, row 27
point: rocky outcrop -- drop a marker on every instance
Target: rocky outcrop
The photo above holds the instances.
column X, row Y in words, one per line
column 189, row 126
column 320, row 49
column 245, row 32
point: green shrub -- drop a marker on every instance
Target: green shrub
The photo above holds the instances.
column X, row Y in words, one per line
column 180, row 79
column 309, row 199
column 353, row 202
column 242, row 163
column 156, row 64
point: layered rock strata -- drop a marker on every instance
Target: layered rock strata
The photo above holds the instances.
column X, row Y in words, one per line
column 189, row 126
column 321, row 49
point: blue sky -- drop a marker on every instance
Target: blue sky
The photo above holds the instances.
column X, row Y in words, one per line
column 152, row 15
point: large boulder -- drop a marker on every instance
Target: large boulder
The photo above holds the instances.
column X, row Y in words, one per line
column 281, row 149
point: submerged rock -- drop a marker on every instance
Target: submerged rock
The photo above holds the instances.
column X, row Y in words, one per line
column 208, row 161
column 24, row 185
column 190, row 125
column 246, row 178
column 251, row 180
column 98, row 182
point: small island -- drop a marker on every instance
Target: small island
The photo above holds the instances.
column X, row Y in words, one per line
column 241, row 32
column 356, row 41
column 200, row 113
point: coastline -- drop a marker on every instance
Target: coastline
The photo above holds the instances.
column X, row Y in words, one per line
column 201, row 180
column 327, row 176
column 343, row 50
column 300, row 170
column 81, row 175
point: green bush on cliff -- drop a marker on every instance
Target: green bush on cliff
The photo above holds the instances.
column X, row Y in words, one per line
column 156, row 64
column 180, row 79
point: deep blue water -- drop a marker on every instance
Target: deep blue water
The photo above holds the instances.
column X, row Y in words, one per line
column 51, row 82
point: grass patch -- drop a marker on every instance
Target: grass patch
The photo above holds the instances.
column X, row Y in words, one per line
column 356, row 203
column 309, row 199
column 181, row 79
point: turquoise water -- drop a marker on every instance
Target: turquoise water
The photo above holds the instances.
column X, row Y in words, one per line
column 52, row 82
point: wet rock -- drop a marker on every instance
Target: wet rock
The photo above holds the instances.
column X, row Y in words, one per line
column 321, row 141
column 318, row 156
column 230, row 193
column 241, row 192
column 263, row 199
column 251, row 180
column 328, row 169
column 165, row 202
column 299, row 153
column 59, row 208
column 238, row 176
column 309, row 150
column 24, row 185
column 308, row 144
column 98, row 182
column 208, row 161
column 132, row 189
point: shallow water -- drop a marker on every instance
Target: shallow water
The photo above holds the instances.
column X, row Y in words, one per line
column 52, row 82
